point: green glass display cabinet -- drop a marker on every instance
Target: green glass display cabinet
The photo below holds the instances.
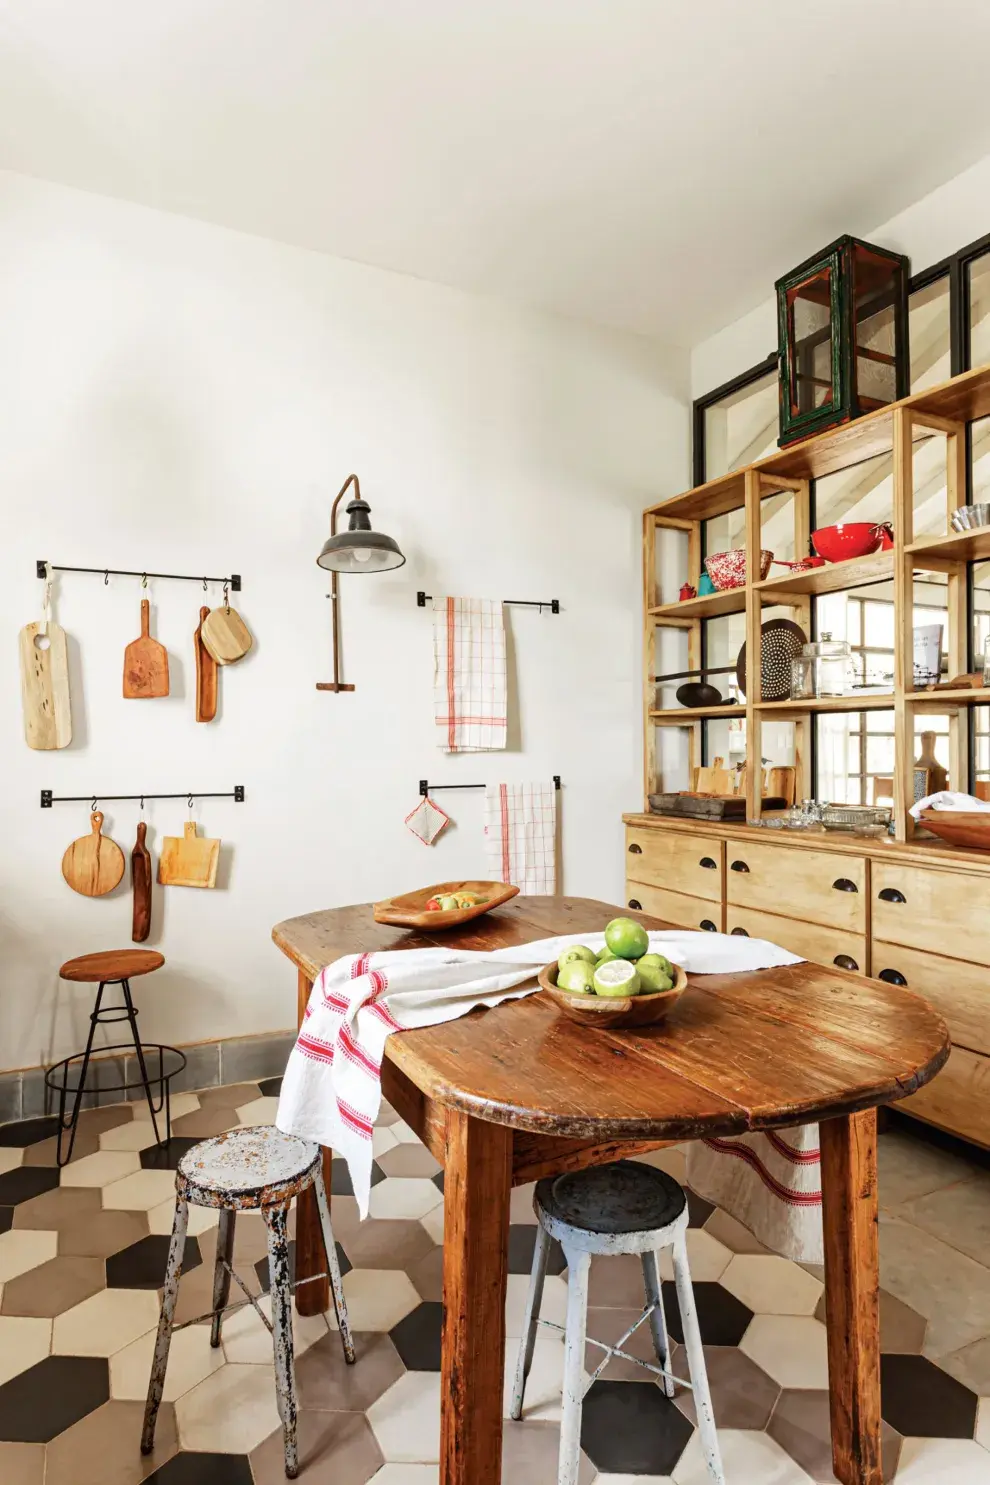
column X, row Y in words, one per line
column 842, row 327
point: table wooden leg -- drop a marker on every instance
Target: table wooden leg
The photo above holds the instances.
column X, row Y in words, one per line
column 314, row 1298
column 477, row 1182
column 852, row 1286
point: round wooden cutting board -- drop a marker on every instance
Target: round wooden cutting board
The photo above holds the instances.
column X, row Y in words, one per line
column 93, row 864
column 226, row 636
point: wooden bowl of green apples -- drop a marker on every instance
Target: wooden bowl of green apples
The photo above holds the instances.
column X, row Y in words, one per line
column 624, row 986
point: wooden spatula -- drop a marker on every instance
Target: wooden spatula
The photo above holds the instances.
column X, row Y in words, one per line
column 93, row 864
column 145, row 663
column 141, row 886
column 206, row 675
column 45, row 686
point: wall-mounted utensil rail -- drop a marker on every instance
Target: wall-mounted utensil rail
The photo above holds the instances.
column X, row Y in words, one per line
column 427, row 788
column 48, row 798
column 233, row 582
column 553, row 604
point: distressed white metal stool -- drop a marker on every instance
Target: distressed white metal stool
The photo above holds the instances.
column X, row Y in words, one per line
column 611, row 1209
column 247, row 1170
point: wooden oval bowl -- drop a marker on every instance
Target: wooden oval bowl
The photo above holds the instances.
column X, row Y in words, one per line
column 618, row 1014
column 410, row 911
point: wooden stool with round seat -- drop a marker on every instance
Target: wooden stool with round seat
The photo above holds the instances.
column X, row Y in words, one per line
column 68, row 1077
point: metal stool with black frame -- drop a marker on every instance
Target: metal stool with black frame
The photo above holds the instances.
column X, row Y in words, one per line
column 115, row 967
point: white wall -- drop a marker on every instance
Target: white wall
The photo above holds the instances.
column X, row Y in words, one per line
column 183, row 398
column 929, row 230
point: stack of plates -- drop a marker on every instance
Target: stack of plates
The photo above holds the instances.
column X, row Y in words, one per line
column 968, row 517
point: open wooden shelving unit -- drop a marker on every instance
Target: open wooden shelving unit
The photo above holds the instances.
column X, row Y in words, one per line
column 944, row 410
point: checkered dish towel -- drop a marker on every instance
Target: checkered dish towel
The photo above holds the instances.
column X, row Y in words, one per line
column 469, row 674
column 521, row 836
column 332, row 1087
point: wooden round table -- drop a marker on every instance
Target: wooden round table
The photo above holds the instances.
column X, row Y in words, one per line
column 502, row 1097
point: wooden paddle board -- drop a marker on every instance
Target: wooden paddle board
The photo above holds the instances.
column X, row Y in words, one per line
column 93, row 864
column 141, row 886
column 189, row 860
column 206, row 675
column 145, row 663
column 45, row 686
column 226, row 636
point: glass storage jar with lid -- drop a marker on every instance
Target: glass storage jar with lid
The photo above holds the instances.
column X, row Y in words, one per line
column 822, row 669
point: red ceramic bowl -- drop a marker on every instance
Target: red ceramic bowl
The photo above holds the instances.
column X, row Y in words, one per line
column 847, row 539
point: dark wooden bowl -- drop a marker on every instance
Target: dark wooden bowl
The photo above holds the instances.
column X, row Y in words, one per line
column 605, row 1013
column 970, row 830
column 409, row 910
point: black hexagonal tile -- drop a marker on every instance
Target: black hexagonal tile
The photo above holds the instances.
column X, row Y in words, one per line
column 271, row 1087
column 39, row 1404
column 27, row 1181
column 167, row 1155
column 437, row 1179
column 340, row 1178
column 6, row 1218
column 629, row 1429
column 417, row 1337
column 722, row 1319
column 28, row 1131
column 142, row 1265
column 522, row 1242
column 918, row 1398
column 203, row 1469
column 699, row 1210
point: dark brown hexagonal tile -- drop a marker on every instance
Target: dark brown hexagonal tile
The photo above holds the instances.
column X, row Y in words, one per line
column 918, row 1398
column 743, row 1396
column 417, row 1337
column 23, row 1132
column 801, row 1426
column 340, row 1177
column 325, row 1381
column 189, row 1468
column 631, row 1430
column 57, row 1210
column 522, row 1244
column 26, row 1183
column 167, row 1155
column 722, row 1319
column 142, row 1265
column 102, row 1448
column 6, row 1218
column 270, row 1087
column 98, row 1234
column 53, row 1287
column 42, row 1402
column 334, row 1449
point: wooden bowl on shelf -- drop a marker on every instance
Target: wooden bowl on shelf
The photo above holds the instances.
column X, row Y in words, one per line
column 410, row 911
column 970, row 830
column 613, row 1013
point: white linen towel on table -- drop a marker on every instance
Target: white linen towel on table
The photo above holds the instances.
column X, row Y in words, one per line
column 521, row 836
column 469, row 694
column 332, row 1087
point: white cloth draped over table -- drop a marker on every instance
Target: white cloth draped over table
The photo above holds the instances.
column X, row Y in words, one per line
column 469, row 686
column 521, row 836
column 331, row 1091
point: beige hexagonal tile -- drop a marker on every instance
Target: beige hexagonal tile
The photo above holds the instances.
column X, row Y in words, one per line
column 11, row 1159
column 376, row 1298
column 138, row 1135
column 201, row 1219
column 402, row 1133
column 708, row 1259
column 747, row 1455
column 140, row 1191
column 943, row 1462
column 406, row 1420
column 983, row 1422
column 789, row 1348
column 231, row 1411
column 769, row 1285
column 190, row 1359
column 410, row 1474
column 433, row 1222
column 102, row 1168
column 105, row 1323
column 258, row 1111
column 404, row 1197
column 23, row 1342
column 246, row 1338
column 554, row 1307
column 545, row 1381
column 21, row 1249
column 382, row 1140
column 53, row 1287
column 101, row 1449
column 22, row 1464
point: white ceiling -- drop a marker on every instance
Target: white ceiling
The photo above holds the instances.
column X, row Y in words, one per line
column 651, row 164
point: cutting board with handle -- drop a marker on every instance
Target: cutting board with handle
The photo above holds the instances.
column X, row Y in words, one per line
column 141, row 886
column 93, row 864
column 206, row 674
column 145, row 663
column 225, row 635
column 715, row 778
column 189, row 860
column 45, row 686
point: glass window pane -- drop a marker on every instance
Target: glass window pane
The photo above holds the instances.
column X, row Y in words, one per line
column 809, row 307
column 741, row 428
column 880, row 755
column 979, row 311
column 981, row 611
column 928, row 333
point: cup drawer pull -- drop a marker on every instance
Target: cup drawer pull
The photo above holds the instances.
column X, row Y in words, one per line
column 708, row 925
column 634, row 904
column 891, row 894
column 739, row 866
column 845, row 961
column 635, row 850
column 707, row 863
column 843, row 884
column 892, row 976
column 740, row 933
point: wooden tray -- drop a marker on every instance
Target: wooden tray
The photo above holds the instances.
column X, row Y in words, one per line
column 968, row 829
column 607, row 1014
column 409, row 910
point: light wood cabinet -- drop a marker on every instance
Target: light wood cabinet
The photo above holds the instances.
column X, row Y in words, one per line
column 676, row 862
column 821, row 886
column 957, row 1098
column 675, row 907
column 940, row 912
column 810, row 940
column 959, row 991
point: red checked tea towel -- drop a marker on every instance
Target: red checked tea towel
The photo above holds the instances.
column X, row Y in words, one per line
column 427, row 820
column 332, row 1087
column 469, row 674
column 521, row 836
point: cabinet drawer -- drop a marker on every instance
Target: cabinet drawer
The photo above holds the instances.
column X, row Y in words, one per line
column 679, row 863
column 942, row 912
column 959, row 991
column 813, row 886
column 810, row 940
column 675, row 907
column 957, row 1098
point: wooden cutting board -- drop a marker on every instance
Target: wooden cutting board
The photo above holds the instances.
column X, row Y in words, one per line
column 141, row 886
column 145, row 663
column 93, row 864
column 45, row 686
column 226, row 636
column 206, row 675
column 189, row 860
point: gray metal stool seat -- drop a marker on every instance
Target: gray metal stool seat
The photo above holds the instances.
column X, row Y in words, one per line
column 247, row 1170
column 611, row 1209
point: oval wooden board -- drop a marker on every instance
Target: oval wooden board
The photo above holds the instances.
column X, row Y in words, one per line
column 604, row 1013
column 93, row 864
column 226, row 636
column 409, row 910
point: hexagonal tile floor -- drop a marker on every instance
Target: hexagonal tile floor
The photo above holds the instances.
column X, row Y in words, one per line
column 82, row 1253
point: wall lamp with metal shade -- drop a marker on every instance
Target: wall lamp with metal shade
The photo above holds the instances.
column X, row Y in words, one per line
column 358, row 549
